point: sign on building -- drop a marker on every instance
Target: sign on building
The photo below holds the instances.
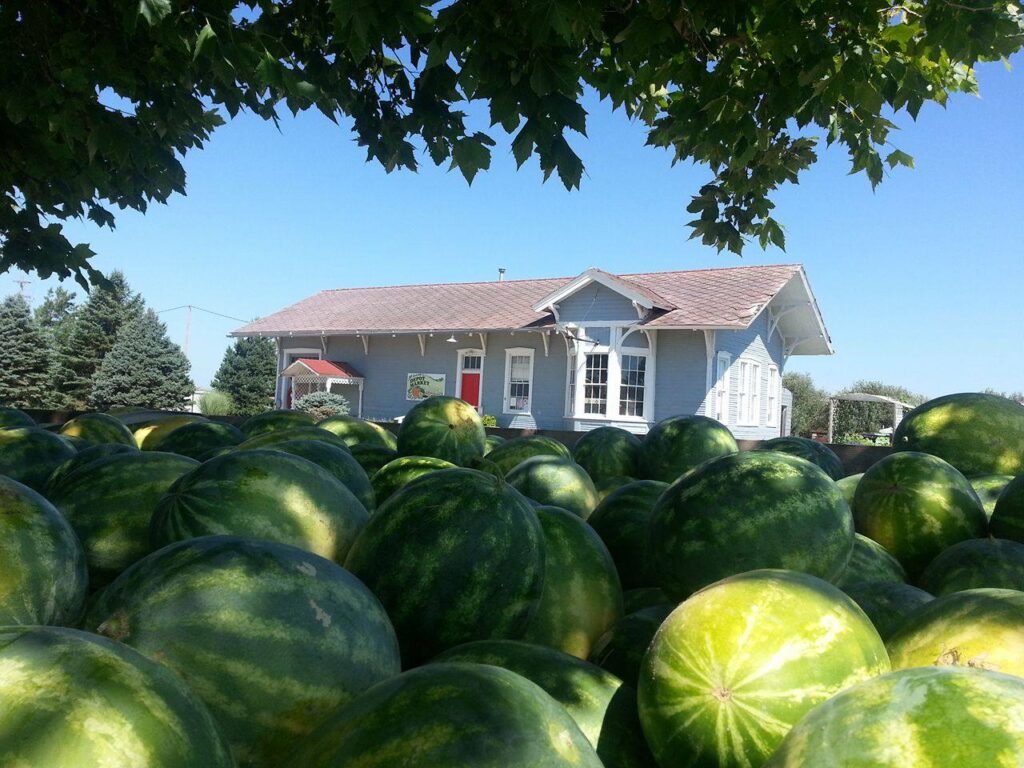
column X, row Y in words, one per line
column 420, row 386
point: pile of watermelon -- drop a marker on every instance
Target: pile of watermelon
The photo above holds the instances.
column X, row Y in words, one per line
column 178, row 592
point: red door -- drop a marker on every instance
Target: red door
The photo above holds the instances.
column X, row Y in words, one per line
column 471, row 388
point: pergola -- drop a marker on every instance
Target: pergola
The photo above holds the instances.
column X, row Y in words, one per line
column 311, row 375
column 863, row 397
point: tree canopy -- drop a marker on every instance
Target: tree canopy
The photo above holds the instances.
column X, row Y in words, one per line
column 26, row 361
column 248, row 374
column 100, row 100
column 854, row 418
column 810, row 404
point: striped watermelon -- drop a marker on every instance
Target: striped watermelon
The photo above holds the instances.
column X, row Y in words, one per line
column 69, row 699
column 514, row 452
column 621, row 650
column 82, row 459
column 978, row 434
column 870, row 562
column 745, row 511
column 643, row 597
column 195, row 439
column 30, row 454
column 555, row 482
column 354, row 431
column 603, row 708
column 916, row 505
column 42, row 565
column 887, row 603
column 582, row 597
column 214, row 453
column 452, row 715
column 679, row 443
column 848, row 486
column 456, row 555
column 621, row 521
column 491, row 442
column 733, row 668
column 815, row 452
column 275, row 437
column 96, row 428
column 920, row 718
column 272, row 638
column 988, row 488
column 372, row 457
column 109, row 503
column 337, row 461
column 980, row 628
column 606, row 488
column 1008, row 514
column 272, row 421
column 264, row 494
column 156, row 428
column 608, row 452
column 12, row 417
column 445, row 428
column 400, row 472
column 974, row 564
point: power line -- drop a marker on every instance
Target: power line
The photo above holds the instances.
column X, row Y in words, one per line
column 207, row 311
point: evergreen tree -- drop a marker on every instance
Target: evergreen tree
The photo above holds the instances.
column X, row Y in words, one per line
column 56, row 309
column 55, row 317
column 26, row 360
column 248, row 374
column 143, row 369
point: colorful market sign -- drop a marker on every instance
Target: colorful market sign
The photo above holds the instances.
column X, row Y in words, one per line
column 420, row 386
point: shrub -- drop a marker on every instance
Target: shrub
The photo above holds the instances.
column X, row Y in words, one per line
column 321, row 405
column 490, row 421
column 216, row 403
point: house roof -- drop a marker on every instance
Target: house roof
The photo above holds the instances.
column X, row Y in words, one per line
column 327, row 368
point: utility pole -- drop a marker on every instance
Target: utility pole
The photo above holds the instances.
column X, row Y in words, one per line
column 21, row 285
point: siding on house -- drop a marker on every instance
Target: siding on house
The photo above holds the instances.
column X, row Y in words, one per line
column 680, row 373
column 596, row 302
column 751, row 344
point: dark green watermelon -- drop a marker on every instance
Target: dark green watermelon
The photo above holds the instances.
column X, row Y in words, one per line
column 974, row 564
column 339, row 462
column 621, row 521
column 445, row 428
column 82, row 459
column 639, row 598
column 97, row 428
column 608, row 452
column 12, row 417
column 607, row 487
column 621, row 650
column 812, row 450
column 157, row 425
column 372, row 456
column 511, row 453
column 988, row 488
column 196, row 439
column 356, row 431
column 491, row 442
column 277, row 436
column 887, row 603
column 30, row 454
column 215, row 452
column 556, row 482
column 1008, row 514
column 401, row 471
column 679, row 443
column 272, row 421
column 870, row 562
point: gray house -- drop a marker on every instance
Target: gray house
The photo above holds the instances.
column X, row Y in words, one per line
column 560, row 353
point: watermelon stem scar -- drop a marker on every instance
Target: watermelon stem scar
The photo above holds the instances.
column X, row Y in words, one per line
column 722, row 694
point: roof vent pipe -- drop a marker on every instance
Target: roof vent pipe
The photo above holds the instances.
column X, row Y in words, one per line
column 501, row 274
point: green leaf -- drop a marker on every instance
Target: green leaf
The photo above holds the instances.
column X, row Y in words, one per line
column 470, row 155
column 154, row 10
column 206, row 38
column 898, row 157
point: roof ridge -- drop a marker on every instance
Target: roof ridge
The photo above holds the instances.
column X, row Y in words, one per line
column 709, row 269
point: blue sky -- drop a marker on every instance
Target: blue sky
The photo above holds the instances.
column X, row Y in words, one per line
column 920, row 282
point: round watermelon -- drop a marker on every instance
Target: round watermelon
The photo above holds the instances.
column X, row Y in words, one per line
column 925, row 718
column 403, row 470
column 372, row 457
column 12, row 417
column 555, row 482
column 338, row 462
column 582, row 597
column 445, row 428
column 848, row 486
column 264, row 494
column 606, row 488
column 156, row 428
column 272, row 638
column 42, row 566
column 511, row 453
column 273, row 438
column 608, row 452
column 887, row 603
column 745, row 511
column 30, row 454
column 272, row 421
column 195, row 439
column 974, row 564
column 491, row 442
column 451, row 715
column 110, row 502
column 97, row 428
column 355, row 431
column 916, row 505
column 1008, row 514
column 82, row 459
column 979, row 628
column 643, row 597
column 602, row 707
column 870, row 561
column 456, row 555
column 621, row 520
column 69, row 699
column 812, row 450
column 621, row 649
column 679, row 443
column 979, row 434
column 988, row 488
column 733, row 668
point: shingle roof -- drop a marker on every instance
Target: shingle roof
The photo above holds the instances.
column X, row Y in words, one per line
column 329, row 368
column 703, row 298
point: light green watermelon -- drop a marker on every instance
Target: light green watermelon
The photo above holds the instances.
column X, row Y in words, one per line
column 337, row 461
column 608, row 452
column 621, row 520
column 812, row 450
column 733, row 668
column 274, row 437
column 372, row 456
column 403, row 470
column 43, row 576
column 870, row 562
column 97, row 428
column 621, row 649
column 272, row 638
column 887, row 603
column 154, row 428
column 69, row 699
column 30, row 455
column 445, row 428
column 195, row 439
column 82, row 459
column 848, row 486
column 1008, row 516
column 679, row 443
column 556, row 482
column 745, row 511
column 988, row 488
column 12, row 417
column 974, row 564
column 514, row 452
column 272, row 421
column 915, row 718
column 355, row 431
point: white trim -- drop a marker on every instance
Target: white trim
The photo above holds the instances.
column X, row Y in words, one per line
column 507, row 383
column 774, row 393
column 285, row 386
column 458, row 373
column 616, row 347
column 748, row 392
column 592, row 275
column 722, row 399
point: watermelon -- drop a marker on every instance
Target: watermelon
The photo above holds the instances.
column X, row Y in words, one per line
column 491, row 442
column 514, row 452
column 264, row 494
column 976, row 563
column 870, row 562
column 109, row 503
column 988, row 488
column 195, row 439
column 398, row 473
column 621, row 521
column 273, row 438
column 456, row 555
column 42, row 565
column 1008, row 514
column 916, row 505
column 621, row 649
column 805, row 448
column 372, row 457
column 272, row 421
column 450, row 715
column 73, row 700
column 608, row 452
column 979, row 434
column 272, row 638
column 602, row 707
column 555, row 482
column 445, row 428
column 155, row 429
column 980, row 628
column 733, row 668
column 354, row 431
column 745, row 511
column 679, row 443
column 30, row 454
column 339, row 462
column 12, row 417
column 97, row 428
column 608, row 486
column 582, row 597
column 848, row 486
column 83, row 458
column 643, row 597
column 919, row 718
column 887, row 603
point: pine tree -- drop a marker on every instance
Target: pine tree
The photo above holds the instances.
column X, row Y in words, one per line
column 248, row 373
column 143, row 369
column 56, row 308
column 55, row 317
column 26, row 360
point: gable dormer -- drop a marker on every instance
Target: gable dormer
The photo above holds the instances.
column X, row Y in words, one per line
column 595, row 296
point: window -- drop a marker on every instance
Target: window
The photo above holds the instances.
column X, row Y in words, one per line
column 632, row 384
column 721, row 404
column 595, row 384
column 748, row 398
column 518, row 380
column 571, row 402
column 774, row 393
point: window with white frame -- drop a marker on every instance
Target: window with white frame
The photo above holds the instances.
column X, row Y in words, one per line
column 723, row 361
column 748, row 393
column 571, row 401
column 518, row 379
column 595, row 384
column 774, row 395
column 632, row 384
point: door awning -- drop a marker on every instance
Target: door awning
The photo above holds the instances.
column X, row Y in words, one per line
column 327, row 369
